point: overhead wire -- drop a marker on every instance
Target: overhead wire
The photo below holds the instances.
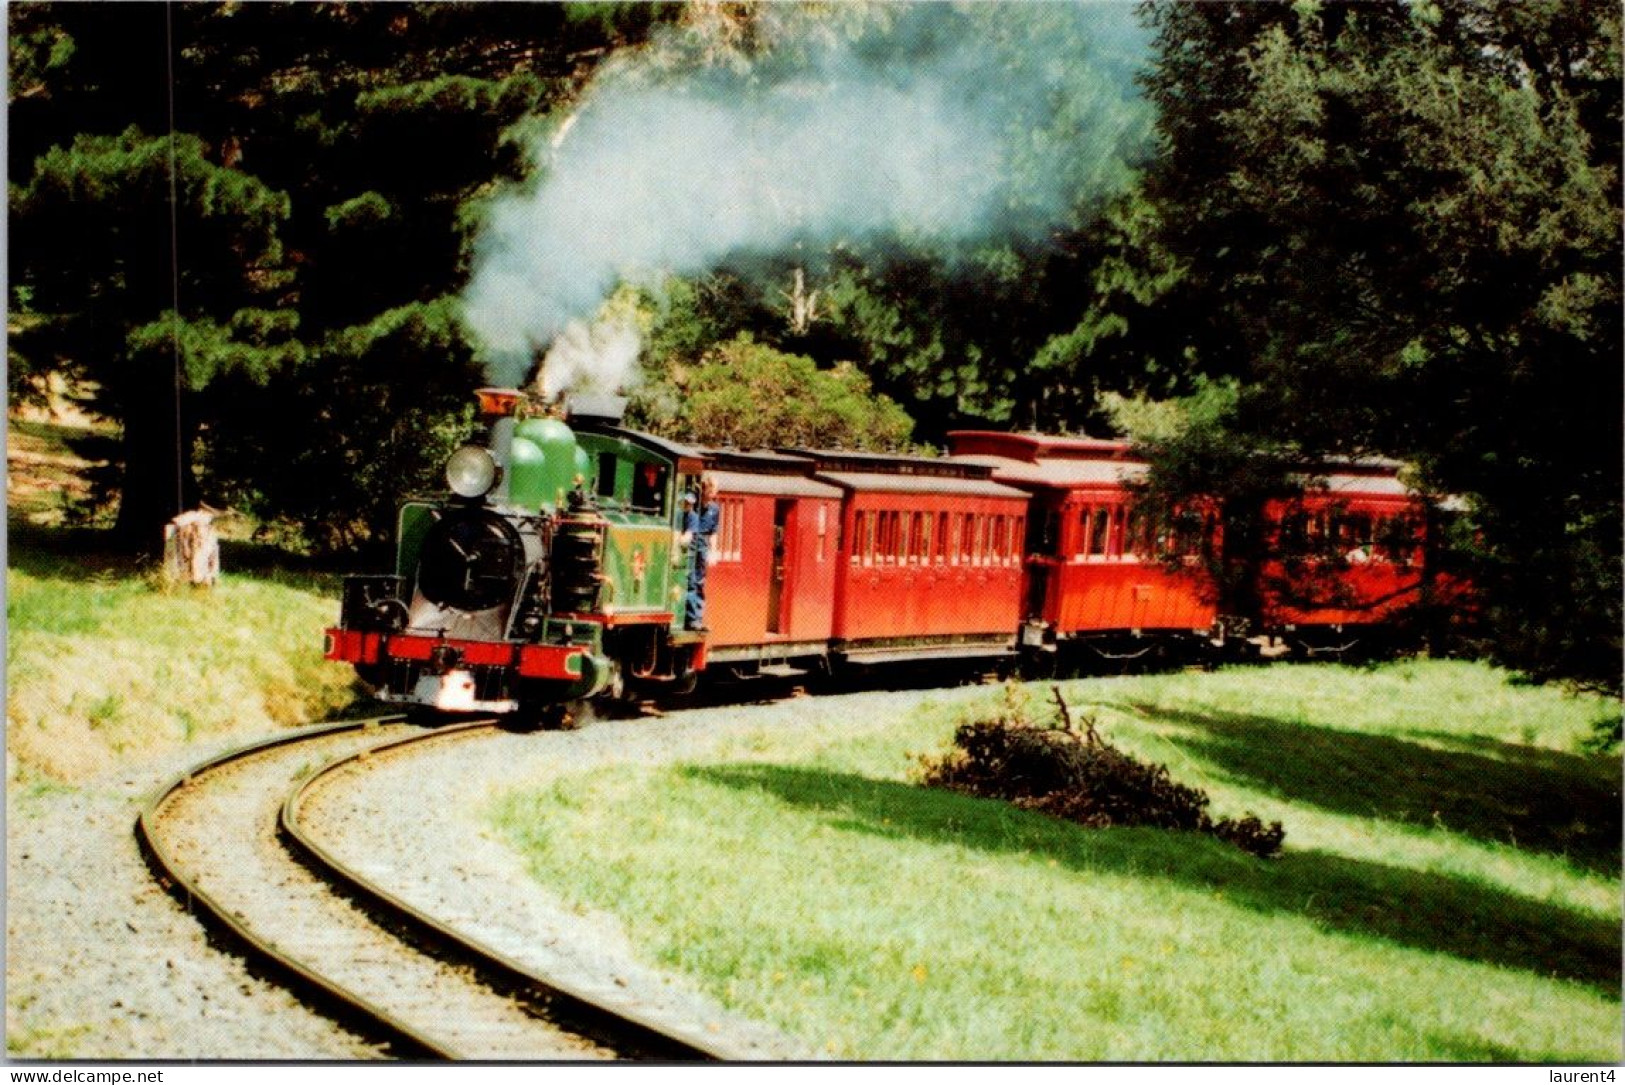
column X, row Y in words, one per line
column 175, row 260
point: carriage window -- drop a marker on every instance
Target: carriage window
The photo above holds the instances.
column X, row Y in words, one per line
column 997, row 552
column 1117, row 545
column 1099, row 533
column 1294, row 533
column 1397, row 538
column 967, row 538
column 905, row 540
column 1017, row 539
column 1139, row 535
column 942, row 539
column 1353, row 536
column 823, row 532
column 921, row 551
column 730, row 529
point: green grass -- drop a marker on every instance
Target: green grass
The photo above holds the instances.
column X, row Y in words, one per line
column 1449, row 891
column 104, row 666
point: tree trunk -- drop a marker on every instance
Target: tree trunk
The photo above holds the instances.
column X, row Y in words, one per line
column 158, row 478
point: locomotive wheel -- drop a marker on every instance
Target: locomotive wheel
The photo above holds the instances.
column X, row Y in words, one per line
column 618, row 698
column 544, row 716
column 1038, row 666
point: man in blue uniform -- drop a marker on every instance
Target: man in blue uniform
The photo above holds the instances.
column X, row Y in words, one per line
column 699, row 530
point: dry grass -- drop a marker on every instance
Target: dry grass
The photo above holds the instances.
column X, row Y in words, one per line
column 107, row 671
column 107, row 667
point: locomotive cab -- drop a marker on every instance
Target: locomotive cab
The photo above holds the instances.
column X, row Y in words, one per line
column 547, row 573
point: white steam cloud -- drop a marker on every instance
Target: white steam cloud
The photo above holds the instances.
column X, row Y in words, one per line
column 661, row 173
column 600, row 357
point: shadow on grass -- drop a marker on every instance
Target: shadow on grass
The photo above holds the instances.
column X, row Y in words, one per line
column 1540, row 800
column 1433, row 912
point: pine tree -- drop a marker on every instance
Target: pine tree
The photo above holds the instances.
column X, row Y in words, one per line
column 324, row 157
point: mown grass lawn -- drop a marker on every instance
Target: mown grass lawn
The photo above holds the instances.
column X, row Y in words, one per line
column 1450, row 887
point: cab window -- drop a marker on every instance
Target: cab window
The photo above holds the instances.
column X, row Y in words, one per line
column 649, row 487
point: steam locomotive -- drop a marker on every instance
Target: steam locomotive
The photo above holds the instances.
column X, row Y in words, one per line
column 555, row 569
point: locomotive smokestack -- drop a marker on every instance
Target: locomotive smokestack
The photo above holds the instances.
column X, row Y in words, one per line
column 497, row 403
column 497, row 409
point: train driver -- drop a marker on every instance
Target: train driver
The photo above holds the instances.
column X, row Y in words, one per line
column 700, row 529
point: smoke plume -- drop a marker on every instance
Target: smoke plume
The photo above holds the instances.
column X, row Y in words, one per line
column 927, row 121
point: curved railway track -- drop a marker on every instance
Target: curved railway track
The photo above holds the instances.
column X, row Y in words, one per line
column 225, row 838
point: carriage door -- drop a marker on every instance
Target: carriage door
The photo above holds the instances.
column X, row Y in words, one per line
column 1042, row 545
column 775, row 589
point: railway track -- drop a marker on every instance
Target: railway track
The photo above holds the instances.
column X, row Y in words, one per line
column 226, row 839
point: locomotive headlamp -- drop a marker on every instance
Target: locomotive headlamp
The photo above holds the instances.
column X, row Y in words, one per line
column 471, row 471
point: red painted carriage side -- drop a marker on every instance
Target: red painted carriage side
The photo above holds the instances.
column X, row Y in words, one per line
column 1100, row 584
column 1082, row 573
column 969, row 584
column 773, row 580
column 927, row 556
column 1368, row 518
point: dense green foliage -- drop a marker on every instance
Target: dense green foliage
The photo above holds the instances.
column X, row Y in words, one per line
column 743, row 394
column 1308, row 230
column 300, row 308
column 1398, row 230
column 94, row 223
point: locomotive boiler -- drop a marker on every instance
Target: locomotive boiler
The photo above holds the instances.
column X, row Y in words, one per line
column 550, row 572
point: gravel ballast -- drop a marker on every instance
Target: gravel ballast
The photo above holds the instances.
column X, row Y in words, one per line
column 103, row 964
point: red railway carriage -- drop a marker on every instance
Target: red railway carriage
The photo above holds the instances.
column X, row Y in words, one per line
column 930, row 558
column 1350, row 554
column 1084, row 578
column 770, row 590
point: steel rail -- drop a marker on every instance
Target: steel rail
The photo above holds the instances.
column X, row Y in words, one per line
column 620, row 1028
column 216, row 916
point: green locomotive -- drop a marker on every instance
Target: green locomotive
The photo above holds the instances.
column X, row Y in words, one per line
column 551, row 572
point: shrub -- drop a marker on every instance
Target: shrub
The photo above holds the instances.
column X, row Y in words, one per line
column 1077, row 775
